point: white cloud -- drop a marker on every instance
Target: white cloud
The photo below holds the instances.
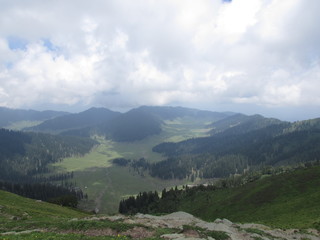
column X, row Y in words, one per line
column 125, row 54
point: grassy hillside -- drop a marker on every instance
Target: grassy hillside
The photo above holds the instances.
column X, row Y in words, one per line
column 289, row 200
column 22, row 218
column 19, row 213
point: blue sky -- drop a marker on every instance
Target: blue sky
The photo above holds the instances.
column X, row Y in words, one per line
column 250, row 56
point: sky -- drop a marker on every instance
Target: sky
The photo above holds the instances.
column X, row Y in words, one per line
column 249, row 56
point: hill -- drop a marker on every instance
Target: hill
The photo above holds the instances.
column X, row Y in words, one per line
column 132, row 126
column 10, row 116
column 145, row 121
column 233, row 151
column 240, row 123
column 85, row 119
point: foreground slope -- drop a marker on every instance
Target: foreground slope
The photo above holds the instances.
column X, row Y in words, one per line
column 19, row 213
column 289, row 200
column 22, row 218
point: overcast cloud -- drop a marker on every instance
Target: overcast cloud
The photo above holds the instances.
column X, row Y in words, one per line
column 252, row 56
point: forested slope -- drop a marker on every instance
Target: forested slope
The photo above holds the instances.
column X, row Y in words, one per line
column 25, row 154
column 232, row 151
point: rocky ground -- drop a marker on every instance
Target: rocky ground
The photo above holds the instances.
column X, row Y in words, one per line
column 186, row 226
column 179, row 225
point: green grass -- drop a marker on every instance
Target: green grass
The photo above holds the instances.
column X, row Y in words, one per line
column 27, row 219
column 58, row 236
column 18, row 213
column 100, row 156
column 31, row 219
column 288, row 200
column 83, row 225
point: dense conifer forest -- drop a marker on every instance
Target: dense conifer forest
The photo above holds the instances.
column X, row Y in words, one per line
column 27, row 154
column 24, row 159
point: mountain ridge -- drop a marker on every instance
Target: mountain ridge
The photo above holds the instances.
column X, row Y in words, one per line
column 129, row 126
column 87, row 118
column 8, row 115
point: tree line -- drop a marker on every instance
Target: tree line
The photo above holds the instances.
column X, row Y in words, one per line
column 188, row 166
column 46, row 192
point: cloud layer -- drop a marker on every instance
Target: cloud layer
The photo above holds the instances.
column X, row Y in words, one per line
column 122, row 54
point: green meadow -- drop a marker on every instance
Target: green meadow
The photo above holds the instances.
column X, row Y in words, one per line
column 99, row 156
column 19, row 213
column 106, row 184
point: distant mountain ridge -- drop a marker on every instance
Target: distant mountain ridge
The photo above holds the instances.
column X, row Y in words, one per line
column 169, row 113
column 145, row 121
column 8, row 116
column 133, row 125
column 241, row 123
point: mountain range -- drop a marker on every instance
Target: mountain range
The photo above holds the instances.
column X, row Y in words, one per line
column 133, row 125
column 9, row 116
